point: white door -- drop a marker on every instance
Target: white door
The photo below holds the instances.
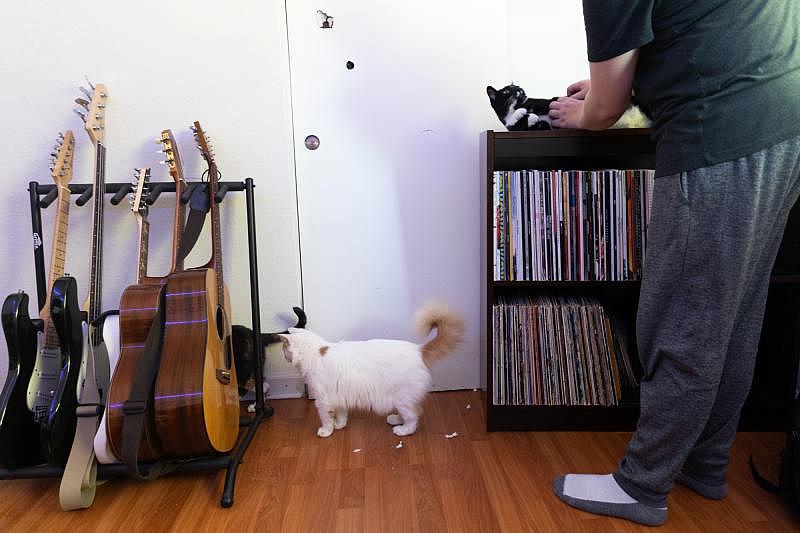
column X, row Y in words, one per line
column 389, row 202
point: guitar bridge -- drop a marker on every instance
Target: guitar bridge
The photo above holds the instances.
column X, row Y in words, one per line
column 223, row 376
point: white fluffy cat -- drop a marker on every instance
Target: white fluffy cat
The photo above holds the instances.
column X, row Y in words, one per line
column 380, row 375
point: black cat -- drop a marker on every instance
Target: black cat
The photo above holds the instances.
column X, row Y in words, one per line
column 245, row 351
column 517, row 112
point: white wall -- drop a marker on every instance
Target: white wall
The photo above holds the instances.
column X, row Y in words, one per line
column 165, row 64
column 226, row 64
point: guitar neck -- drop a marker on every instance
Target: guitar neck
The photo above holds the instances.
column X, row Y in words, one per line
column 179, row 223
column 216, row 237
column 94, row 307
column 144, row 239
column 58, row 255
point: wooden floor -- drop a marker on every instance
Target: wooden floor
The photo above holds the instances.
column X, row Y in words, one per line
column 294, row 481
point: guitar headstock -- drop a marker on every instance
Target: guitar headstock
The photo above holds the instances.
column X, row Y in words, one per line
column 173, row 158
column 95, row 116
column 141, row 181
column 203, row 143
column 61, row 159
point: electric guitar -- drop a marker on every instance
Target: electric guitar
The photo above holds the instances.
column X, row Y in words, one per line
column 138, row 307
column 77, row 332
column 196, row 399
column 34, row 357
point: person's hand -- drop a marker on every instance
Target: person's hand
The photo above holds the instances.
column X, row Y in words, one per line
column 566, row 112
column 579, row 89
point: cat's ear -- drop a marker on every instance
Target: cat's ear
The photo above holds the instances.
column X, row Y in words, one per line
column 491, row 91
column 287, row 352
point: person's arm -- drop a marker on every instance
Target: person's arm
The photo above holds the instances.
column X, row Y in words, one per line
column 607, row 98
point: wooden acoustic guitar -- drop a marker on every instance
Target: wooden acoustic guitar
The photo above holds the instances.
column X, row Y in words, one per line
column 34, row 357
column 137, row 308
column 196, row 400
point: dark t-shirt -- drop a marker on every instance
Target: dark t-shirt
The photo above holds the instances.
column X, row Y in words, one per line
column 719, row 78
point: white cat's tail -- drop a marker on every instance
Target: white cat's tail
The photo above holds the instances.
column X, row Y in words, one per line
column 449, row 331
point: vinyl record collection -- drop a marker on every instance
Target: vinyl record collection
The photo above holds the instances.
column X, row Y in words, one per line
column 570, row 225
column 558, row 350
column 155, row 384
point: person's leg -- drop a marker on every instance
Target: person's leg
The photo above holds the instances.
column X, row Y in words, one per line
column 705, row 469
column 705, row 245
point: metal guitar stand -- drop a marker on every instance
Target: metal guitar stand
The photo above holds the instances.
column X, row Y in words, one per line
column 41, row 196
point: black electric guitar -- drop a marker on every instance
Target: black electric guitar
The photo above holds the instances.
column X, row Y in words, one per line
column 76, row 330
column 34, row 355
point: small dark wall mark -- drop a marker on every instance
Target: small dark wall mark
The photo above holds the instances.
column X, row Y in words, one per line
column 350, row 65
column 325, row 20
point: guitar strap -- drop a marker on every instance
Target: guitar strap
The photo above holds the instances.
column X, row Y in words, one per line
column 198, row 209
column 79, row 482
column 136, row 409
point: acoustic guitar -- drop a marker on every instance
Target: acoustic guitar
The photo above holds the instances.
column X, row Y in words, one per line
column 78, row 335
column 196, row 400
column 34, row 357
column 137, row 308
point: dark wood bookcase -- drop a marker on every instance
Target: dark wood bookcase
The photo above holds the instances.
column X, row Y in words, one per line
column 767, row 406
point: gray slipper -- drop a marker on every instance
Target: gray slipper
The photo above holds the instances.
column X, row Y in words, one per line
column 635, row 512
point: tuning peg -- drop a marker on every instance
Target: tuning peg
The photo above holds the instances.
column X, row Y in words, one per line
column 83, row 117
column 88, row 82
column 162, row 162
column 83, row 103
column 160, row 141
column 97, row 127
column 85, row 92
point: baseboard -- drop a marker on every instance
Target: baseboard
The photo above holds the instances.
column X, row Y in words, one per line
column 285, row 385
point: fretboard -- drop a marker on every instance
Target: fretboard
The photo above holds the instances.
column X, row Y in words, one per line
column 216, row 236
column 58, row 255
column 144, row 235
column 96, row 262
column 178, row 226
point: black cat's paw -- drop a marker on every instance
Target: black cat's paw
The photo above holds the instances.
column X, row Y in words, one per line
column 541, row 125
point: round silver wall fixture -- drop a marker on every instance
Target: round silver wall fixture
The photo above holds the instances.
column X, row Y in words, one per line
column 312, row 142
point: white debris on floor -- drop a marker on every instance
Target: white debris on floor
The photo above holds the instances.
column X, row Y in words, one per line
column 452, row 435
column 399, row 445
column 357, row 450
column 469, row 406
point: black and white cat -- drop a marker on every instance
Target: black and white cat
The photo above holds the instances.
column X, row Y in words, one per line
column 517, row 112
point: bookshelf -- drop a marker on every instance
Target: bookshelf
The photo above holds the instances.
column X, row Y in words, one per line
column 767, row 406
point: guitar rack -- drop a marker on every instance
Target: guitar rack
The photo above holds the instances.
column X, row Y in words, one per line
column 41, row 196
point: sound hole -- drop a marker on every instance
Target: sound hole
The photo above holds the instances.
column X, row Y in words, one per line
column 221, row 323
column 222, row 328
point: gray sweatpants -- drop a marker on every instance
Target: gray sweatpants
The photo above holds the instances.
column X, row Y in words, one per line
column 712, row 241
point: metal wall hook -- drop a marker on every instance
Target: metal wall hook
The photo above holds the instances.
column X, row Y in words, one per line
column 187, row 192
column 117, row 198
column 48, row 199
column 154, row 192
column 221, row 192
column 85, row 196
